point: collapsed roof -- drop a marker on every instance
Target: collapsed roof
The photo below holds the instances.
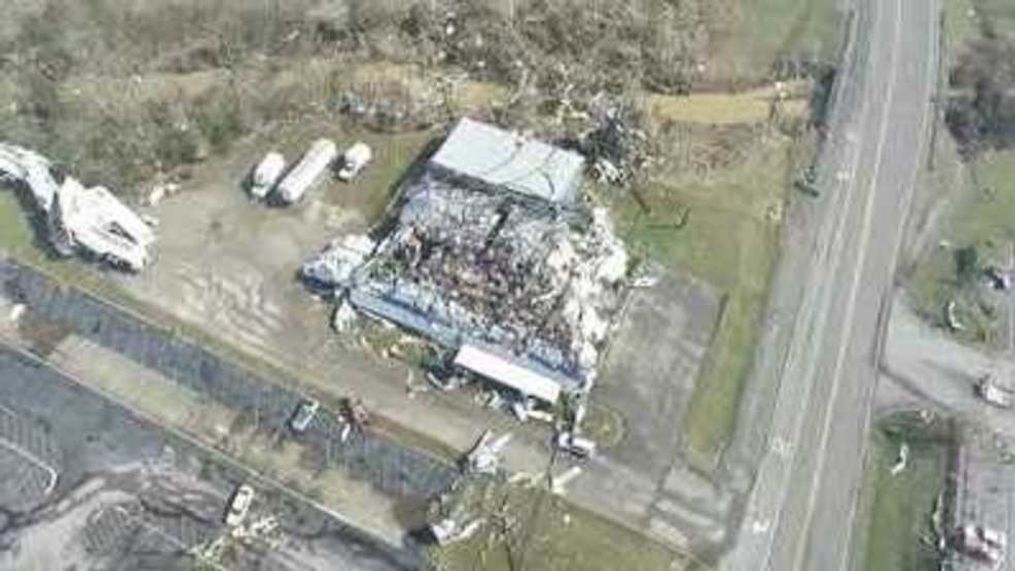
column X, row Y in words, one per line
column 501, row 272
column 79, row 218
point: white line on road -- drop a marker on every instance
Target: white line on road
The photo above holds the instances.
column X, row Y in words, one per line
column 932, row 65
column 847, row 322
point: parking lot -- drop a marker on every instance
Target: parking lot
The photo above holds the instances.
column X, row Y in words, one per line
column 130, row 494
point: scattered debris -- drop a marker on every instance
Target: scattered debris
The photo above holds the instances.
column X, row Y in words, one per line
column 344, row 317
column 17, row 311
column 485, row 455
column 999, row 279
column 448, row 531
column 266, row 175
column 900, row 463
column 314, row 164
column 90, row 220
column 989, row 390
column 354, row 160
column 335, row 265
column 354, row 413
column 981, row 543
column 577, row 445
column 560, row 482
column 951, row 320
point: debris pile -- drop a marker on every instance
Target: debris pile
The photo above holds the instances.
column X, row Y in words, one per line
column 79, row 219
column 504, row 274
column 508, row 267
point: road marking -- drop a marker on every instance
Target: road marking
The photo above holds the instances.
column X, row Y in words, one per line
column 932, row 66
column 804, row 328
column 847, row 323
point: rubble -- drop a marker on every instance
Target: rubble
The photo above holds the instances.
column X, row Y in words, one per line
column 485, row 454
column 491, row 257
column 334, row 266
column 79, row 219
column 448, row 530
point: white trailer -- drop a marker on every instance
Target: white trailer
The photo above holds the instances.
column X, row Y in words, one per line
column 307, row 172
column 354, row 160
column 266, row 175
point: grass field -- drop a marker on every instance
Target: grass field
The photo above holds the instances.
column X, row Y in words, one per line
column 982, row 220
column 764, row 30
column 548, row 534
column 730, row 238
column 899, row 535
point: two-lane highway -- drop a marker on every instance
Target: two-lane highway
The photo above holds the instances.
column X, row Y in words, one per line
column 800, row 514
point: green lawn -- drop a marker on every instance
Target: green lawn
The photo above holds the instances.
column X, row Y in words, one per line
column 549, row 534
column 731, row 239
column 764, row 30
column 899, row 507
column 983, row 220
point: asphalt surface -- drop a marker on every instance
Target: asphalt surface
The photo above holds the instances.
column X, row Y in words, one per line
column 391, row 468
column 832, row 296
column 88, row 438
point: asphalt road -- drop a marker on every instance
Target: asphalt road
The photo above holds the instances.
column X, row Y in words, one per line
column 833, row 293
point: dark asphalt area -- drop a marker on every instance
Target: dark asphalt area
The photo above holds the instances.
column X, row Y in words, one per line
column 393, row 469
column 91, row 436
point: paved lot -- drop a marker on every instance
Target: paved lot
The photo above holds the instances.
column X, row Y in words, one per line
column 131, row 497
column 394, row 469
column 832, row 291
column 649, row 377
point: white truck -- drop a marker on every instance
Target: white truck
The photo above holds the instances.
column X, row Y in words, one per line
column 239, row 505
column 354, row 160
column 266, row 175
column 314, row 164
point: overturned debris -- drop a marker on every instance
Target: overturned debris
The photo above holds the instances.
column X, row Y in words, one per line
column 79, row 219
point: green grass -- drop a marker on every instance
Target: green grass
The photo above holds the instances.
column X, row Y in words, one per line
column 731, row 239
column 983, row 220
column 899, row 533
column 959, row 27
column 549, row 534
column 768, row 29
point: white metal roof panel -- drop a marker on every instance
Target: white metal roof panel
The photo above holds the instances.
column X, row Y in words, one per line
column 507, row 372
column 502, row 158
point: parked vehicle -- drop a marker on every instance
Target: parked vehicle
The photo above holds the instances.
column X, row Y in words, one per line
column 240, row 505
column 303, row 415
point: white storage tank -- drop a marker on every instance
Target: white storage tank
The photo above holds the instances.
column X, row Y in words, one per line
column 307, row 172
column 266, row 174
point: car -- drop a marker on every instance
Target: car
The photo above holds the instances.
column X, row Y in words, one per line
column 990, row 391
column 240, row 505
column 303, row 415
column 354, row 161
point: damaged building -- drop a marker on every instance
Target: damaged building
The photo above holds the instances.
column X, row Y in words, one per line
column 491, row 254
column 78, row 219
